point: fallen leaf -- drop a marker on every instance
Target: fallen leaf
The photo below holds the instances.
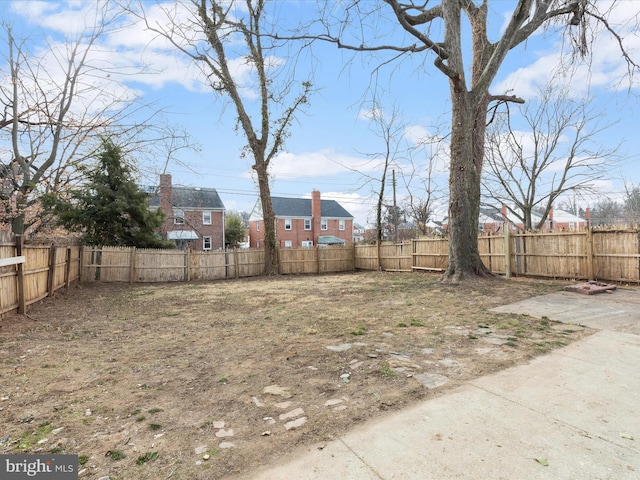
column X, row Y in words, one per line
column 626, row 435
column 542, row 461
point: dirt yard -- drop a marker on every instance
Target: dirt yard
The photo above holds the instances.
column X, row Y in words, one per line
column 208, row 380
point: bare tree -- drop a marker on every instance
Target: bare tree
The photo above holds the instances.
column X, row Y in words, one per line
column 631, row 207
column 554, row 156
column 607, row 212
column 419, row 177
column 219, row 36
column 55, row 107
column 436, row 28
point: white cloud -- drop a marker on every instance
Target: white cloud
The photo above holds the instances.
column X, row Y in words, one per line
column 357, row 205
column 317, row 164
column 604, row 68
column 370, row 113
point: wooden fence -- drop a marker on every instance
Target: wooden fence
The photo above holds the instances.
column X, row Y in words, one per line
column 30, row 273
column 128, row 264
column 591, row 254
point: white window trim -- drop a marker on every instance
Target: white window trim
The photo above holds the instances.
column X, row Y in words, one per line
column 204, row 243
column 307, row 224
column 324, row 224
column 288, row 244
column 206, row 213
column 341, row 225
column 257, row 225
column 288, row 224
column 178, row 217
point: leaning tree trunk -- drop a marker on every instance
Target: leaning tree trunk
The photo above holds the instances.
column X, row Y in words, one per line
column 271, row 261
column 467, row 151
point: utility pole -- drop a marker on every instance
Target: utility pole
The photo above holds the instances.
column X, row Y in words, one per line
column 395, row 206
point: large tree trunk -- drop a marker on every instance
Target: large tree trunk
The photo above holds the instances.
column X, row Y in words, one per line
column 467, row 151
column 271, row 261
column 18, row 221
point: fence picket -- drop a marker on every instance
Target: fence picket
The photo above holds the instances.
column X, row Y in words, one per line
column 598, row 254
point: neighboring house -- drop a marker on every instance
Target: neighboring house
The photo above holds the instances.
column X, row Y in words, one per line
column 492, row 220
column 194, row 215
column 358, row 233
column 303, row 222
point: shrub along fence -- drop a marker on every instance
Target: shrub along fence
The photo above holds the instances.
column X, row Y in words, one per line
column 29, row 273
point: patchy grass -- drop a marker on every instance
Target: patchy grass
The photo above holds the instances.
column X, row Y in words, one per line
column 111, row 371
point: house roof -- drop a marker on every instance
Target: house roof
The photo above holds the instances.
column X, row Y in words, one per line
column 490, row 215
column 330, row 240
column 301, row 207
column 191, row 197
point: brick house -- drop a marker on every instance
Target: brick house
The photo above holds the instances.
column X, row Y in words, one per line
column 492, row 220
column 303, row 222
column 194, row 216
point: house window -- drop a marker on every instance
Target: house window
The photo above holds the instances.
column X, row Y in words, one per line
column 178, row 217
column 257, row 226
column 206, row 217
column 341, row 225
column 572, row 225
column 287, row 244
column 206, row 243
column 307, row 243
column 307, row 224
column 287, row 224
column 324, row 224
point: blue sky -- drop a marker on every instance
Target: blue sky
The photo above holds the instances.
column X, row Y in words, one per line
column 336, row 135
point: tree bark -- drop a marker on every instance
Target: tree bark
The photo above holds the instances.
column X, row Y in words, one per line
column 271, row 261
column 467, row 145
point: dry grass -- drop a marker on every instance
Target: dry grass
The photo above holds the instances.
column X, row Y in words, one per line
column 128, row 371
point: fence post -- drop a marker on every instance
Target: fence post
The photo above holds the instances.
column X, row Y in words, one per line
column 22, row 304
column 589, row 254
column 188, row 264
column 132, row 265
column 507, row 250
column 67, row 268
column 52, row 270
column 235, row 261
column 80, row 262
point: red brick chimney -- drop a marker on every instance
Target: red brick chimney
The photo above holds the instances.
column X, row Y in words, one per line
column 587, row 214
column 551, row 219
column 504, row 213
column 316, row 214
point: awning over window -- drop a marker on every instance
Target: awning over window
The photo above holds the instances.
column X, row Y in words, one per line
column 182, row 235
column 330, row 240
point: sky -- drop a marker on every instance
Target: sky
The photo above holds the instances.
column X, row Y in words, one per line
column 334, row 145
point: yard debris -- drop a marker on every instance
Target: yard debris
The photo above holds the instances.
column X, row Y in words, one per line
column 591, row 288
column 339, row 348
column 277, row 391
